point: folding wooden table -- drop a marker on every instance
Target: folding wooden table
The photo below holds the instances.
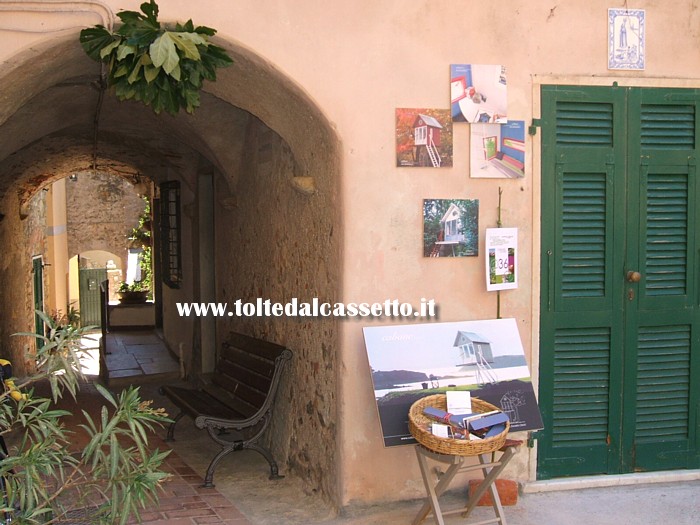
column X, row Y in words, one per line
column 491, row 467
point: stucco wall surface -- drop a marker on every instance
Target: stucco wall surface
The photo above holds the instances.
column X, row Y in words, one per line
column 358, row 61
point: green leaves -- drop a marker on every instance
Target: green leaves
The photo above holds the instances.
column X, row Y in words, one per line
column 160, row 67
column 46, row 476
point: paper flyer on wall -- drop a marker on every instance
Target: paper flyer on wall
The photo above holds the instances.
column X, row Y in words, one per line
column 502, row 259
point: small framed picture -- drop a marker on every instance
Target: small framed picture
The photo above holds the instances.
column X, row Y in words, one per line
column 626, row 39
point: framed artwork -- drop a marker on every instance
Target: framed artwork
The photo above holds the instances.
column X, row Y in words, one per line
column 423, row 138
column 478, row 93
column 458, row 88
column 486, row 358
column 450, row 228
column 497, row 151
column 626, row 38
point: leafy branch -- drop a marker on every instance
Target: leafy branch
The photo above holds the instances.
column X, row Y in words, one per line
column 162, row 68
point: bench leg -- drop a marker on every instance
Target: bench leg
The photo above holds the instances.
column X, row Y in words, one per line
column 171, row 428
column 209, row 476
column 274, row 470
column 231, row 446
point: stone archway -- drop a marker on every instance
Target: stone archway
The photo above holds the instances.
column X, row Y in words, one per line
column 271, row 161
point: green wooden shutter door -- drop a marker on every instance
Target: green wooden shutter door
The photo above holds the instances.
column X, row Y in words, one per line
column 90, row 306
column 619, row 360
column 578, row 329
column 663, row 328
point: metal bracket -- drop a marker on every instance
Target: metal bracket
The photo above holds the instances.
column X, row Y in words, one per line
column 532, row 436
column 532, row 129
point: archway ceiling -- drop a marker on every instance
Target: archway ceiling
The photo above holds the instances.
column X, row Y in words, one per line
column 51, row 134
column 47, row 110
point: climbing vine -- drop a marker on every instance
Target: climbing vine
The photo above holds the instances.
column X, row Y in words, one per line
column 161, row 67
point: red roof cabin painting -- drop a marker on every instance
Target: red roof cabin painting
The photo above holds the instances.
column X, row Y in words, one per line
column 423, row 137
column 426, row 139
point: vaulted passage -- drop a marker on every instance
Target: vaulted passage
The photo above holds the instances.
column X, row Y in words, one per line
column 257, row 172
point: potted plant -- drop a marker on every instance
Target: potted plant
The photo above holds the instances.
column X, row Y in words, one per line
column 134, row 293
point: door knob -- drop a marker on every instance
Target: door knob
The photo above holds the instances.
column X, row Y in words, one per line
column 634, row 277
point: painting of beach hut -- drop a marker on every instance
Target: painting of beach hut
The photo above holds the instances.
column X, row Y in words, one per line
column 476, row 353
column 408, row 362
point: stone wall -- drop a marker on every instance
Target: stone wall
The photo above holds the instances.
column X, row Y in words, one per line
column 274, row 242
column 101, row 211
column 21, row 241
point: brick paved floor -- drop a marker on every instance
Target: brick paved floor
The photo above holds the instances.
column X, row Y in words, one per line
column 183, row 501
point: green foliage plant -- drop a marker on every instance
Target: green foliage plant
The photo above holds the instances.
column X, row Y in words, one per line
column 141, row 237
column 46, row 478
column 163, row 68
column 136, row 286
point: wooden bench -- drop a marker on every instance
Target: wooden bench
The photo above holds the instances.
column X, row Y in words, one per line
column 235, row 404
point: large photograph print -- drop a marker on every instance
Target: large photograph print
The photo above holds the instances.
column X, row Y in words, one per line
column 409, row 362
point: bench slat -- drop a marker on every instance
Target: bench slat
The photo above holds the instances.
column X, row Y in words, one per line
column 253, row 363
column 198, row 402
column 254, row 346
column 233, row 371
column 234, row 403
column 240, row 390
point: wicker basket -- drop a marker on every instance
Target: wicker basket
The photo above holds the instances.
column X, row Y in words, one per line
column 419, row 425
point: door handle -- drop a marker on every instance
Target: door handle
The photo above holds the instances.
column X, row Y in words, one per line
column 634, row 277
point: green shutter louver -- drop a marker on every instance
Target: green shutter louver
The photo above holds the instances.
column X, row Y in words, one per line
column 584, row 124
column 663, row 382
column 667, row 234
column 581, row 385
column 583, row 235
column 668, row 126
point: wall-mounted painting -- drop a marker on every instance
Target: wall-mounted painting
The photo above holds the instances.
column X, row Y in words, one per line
column 626, row 39
column 497, row 151
column 450, row 228
column 478, row 93
column 423, row 138
column 408, row 362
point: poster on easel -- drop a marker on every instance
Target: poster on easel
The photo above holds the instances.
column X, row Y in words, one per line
column 485, row 358
column 502, row 259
